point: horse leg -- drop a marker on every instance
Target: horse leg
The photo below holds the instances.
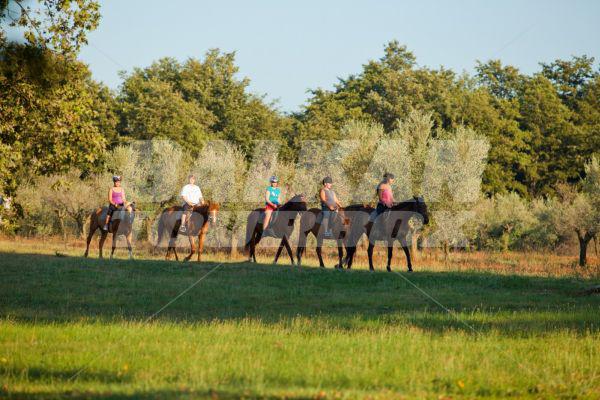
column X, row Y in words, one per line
column 349, row 256
column 370, row 254
column 103, row 236
column 253, row 243
column 278, row 252
column 201, row 238
column 192, row 248
column 340, row 254
column 390, row 251
column 129, row 248
column 88, row 241
column 319, row 255
column 288, row 248
column 301, row 247
column 407, row 252
column 114, row 245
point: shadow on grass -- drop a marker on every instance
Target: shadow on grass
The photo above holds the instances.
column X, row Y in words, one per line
column 52, row 289
column 38, row 374
column 158, row 394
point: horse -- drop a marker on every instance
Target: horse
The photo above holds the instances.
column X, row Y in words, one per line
column 198, row 222
column 121, row 223
column 282, row 224
column 308, row 224
column 389, row 226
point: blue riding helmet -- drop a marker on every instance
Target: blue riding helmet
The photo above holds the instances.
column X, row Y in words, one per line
column 273, row 179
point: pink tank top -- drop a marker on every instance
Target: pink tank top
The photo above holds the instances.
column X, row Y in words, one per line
column 386, row 197
column 117, row 197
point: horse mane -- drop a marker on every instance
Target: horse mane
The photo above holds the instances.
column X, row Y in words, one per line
column 404, row 205
column 358, row 207
column 299, row 198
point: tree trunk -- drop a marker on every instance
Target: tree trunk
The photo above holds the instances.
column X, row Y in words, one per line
column 583, row 243
column 233, row 244
column 446, row 249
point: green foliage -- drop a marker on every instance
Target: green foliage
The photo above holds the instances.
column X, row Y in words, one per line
column 49, row 119
column 58, row 25
column 502, row 221
column 54, row 204
column 541, row 129
column 196, row 101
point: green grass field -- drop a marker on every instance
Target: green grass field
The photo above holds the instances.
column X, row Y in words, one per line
column 280, row 332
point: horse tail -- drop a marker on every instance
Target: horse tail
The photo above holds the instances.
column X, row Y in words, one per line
column 161, row 229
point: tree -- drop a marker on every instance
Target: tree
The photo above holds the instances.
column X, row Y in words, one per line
column 49, row 119
column 553, row 140
column 201, row 100
column 57, row 25
column 66, row 195
column 503, row 220
column 579, row 212
column 50, row 109
column 152, row 109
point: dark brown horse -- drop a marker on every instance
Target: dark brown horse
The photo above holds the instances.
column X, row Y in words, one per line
column 121, row 223
column 198, row 222
column 308, row 224
column 389, row 226
column 281, row 224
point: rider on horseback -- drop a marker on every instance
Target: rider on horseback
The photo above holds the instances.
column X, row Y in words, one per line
column 192, row 196
column 329, row 206
column 272, row 201
column 385, row 194
column 116, row 200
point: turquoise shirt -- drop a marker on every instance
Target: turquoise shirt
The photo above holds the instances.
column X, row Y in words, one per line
column 274, row 193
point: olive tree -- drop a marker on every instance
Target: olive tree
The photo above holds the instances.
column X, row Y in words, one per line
column 579, row 212
column 66, row 197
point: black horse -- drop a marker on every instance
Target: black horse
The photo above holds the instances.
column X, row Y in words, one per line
column 308, row 224
column 389, row 226
column 282, row 226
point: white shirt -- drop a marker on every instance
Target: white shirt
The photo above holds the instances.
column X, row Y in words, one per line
column 192, row 193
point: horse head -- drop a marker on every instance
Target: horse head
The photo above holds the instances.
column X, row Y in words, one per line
column 131, row 212
column 421, row 208
column 213, row 209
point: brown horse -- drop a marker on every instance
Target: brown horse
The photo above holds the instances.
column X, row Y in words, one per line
column 308, row 224
column 389, row 226
column 282, row 225
column 198, row 222
column 121, row 223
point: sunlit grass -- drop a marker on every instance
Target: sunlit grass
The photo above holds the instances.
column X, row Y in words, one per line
column 279, row 331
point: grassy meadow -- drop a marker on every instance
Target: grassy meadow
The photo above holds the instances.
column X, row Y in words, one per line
column 88, row 328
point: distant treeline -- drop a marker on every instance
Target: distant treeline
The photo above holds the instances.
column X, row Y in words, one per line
column 54, row 116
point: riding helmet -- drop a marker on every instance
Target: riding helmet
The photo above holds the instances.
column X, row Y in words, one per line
column 273, row 179
column 327, row 179
column 116, row 178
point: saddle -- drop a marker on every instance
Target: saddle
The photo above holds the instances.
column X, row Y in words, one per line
column 117, row 214
column 274, row 216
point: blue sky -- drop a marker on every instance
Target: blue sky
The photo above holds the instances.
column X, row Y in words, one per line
column 286, row 47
